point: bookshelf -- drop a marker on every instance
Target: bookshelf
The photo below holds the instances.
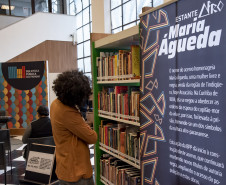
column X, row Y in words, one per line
column 112, row 43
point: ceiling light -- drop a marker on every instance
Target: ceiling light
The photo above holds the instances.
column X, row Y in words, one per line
column 6, row 7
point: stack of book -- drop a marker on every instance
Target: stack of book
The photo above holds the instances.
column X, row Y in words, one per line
column 120, row 137
column 120, row 66
column 114, row 171
column 120, row 102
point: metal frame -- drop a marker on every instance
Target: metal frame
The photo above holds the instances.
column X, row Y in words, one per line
column 3, row 159
column 121, row 5
column 81, row 27
column 33, row 7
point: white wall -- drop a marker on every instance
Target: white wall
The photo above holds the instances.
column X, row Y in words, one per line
column 52, row 95
column 18, row 38
column 8, row 20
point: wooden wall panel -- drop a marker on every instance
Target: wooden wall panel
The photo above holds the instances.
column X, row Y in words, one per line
column 17, row 131
column 61, row 55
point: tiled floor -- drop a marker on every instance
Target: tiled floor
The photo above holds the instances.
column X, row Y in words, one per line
column 18, row 164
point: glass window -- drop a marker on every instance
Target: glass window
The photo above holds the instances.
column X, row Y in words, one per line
column 85, row 16
column 86, row 32
column 72, row 8
column 79, row 35
column 86, row 48
column 125, row 13
column 116, row 17
column 115, row 3
column 141, row 4
column 129, row 16
column 80, row 50
column 41, row 6
column 20, row 8
column 4, row 9
column 85, row 3
column 117, row 30
column 57, row 6
column 78, row 5
column 129, row 25
column 89, row 75
column 84, row 27
column 90, row 14
column 157, row 2
column 80, row 64
column 91, row 28
column 79, row 20
column 87, row 64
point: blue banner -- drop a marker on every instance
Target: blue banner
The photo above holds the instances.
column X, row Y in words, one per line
column 183, row 60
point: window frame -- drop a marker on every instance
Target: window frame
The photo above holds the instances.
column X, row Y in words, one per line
column 84, row 41
column 136, row 21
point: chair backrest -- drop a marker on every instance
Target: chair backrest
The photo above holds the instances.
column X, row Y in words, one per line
column 5, row 137
column 41, row 140
column 2, row 156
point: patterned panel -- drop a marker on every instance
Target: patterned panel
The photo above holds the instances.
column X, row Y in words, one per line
column 153, row 101
column 22, row 105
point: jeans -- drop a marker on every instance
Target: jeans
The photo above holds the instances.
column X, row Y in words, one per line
column 80, row 182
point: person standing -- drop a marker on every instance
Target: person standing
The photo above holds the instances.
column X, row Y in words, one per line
column 71, row 133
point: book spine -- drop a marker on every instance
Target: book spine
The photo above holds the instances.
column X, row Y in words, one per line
column 135, row 53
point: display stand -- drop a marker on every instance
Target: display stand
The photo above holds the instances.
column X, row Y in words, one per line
column 40, row 168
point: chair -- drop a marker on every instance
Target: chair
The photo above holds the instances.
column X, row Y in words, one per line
column 41, row 140
column 5, row 137
column 4, row 119
column 2, row 158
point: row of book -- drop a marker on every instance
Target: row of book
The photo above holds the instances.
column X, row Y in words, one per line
column 118, row 172
column 120, row 137
column 120, row 66
column 120, row 100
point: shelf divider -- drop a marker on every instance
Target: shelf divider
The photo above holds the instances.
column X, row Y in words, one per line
column 117, row 154
column 120, row 120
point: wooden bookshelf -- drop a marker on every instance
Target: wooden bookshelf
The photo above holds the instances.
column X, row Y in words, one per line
column 112, row 43
column 105, row 181
column 120, row 120
column 121, row 40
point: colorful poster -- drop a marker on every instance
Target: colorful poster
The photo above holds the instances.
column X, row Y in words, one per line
column 23, row 75
column 182, row 94
column 23, row 87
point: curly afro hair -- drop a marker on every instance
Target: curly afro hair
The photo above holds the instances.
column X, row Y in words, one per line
column 72, row 88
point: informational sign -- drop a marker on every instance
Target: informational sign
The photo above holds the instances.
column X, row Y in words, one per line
column 23, row 75
column 40, row 164
column 182, row 106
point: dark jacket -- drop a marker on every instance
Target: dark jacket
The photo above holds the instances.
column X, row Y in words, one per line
column 41, row 128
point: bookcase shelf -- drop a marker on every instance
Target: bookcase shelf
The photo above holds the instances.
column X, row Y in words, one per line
column 120, row 120
column 126, row 158
column 105, row 181
column 121, row 40
column 112, row 44
column 134, row 82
